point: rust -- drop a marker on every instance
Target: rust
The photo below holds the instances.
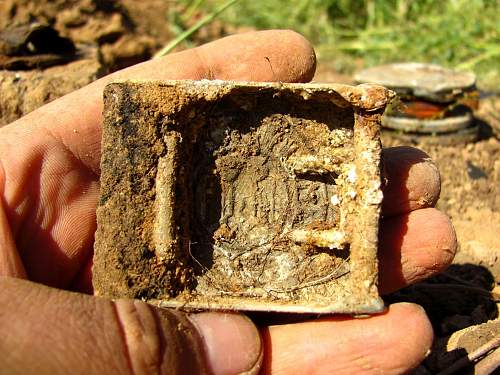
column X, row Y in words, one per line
column 237, row 195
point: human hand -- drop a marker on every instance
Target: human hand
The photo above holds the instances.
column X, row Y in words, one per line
column 49, row 182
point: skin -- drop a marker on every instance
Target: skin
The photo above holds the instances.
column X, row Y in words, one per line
column 49, row 181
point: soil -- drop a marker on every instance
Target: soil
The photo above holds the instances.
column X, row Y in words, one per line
column 109, row 35
column 470, row 195
column 465, row 296
column 128, row 31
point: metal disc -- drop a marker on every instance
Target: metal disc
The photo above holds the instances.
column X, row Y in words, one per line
column 462, row 136
column 426, row 81
column 429, row 126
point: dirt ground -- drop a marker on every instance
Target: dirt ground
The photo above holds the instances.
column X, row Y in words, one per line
column 462, row 303
column 463, row 312
column 470, row 175
column 109, row 34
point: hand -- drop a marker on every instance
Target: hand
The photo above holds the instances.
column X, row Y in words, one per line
column 49, row 182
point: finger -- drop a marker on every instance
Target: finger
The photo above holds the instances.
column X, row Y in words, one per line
column 10, row 263
column 277, row 55
column 390, row 343
column 96, row 336
column 412, row 180
column 51, row 156
column 236, row 333
column 282, row 55
column 413, row 247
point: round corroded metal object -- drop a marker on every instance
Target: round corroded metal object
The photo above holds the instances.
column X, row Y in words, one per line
column 426, row 81
column 430, row 126
column 459, row 137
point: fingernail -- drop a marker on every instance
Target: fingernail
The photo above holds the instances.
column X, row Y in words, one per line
column 232, row 343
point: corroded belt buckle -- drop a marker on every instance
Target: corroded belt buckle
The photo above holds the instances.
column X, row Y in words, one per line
column 241, row 196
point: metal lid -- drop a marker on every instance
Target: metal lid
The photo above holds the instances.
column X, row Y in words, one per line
column 428, row 126
column 459, row 137
column 428, row 81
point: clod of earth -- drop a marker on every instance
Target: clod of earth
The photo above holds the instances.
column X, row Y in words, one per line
column 245, row 196
column 34, row 46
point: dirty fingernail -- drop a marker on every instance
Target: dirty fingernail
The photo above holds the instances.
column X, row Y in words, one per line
column 232, row 343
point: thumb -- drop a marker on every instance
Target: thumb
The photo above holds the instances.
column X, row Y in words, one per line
column 51, row 331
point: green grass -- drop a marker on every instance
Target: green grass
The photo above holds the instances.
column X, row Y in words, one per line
column 461, row 34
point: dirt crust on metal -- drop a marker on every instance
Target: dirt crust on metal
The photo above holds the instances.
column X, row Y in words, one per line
column 241, row 196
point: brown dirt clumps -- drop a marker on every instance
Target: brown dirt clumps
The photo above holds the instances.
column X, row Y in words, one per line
column 26, row 90
column 127, row 31
column 109, row 35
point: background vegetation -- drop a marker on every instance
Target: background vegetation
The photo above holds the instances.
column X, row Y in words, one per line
column 348, row 35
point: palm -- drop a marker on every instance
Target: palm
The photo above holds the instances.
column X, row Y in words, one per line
column 51, row 208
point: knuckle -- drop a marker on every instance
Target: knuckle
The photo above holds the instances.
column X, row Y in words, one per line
column 158, row 340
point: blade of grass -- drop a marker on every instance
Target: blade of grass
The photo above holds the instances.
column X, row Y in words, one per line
column 198, row 25
column 360, row 45
column 192, row 9
column 453, row 33
column 469, row 64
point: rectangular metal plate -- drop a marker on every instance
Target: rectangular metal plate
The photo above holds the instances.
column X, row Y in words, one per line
column 246, row 196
